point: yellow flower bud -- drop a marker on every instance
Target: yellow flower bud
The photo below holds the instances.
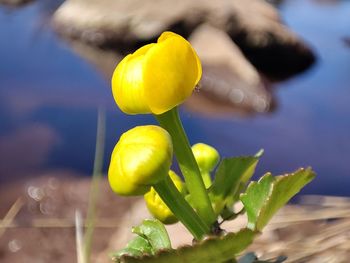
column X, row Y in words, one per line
column 157, row 77
column 207, row 157
column 157, row 207
column 141, row 158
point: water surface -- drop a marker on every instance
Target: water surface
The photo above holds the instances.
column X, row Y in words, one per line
column 49, row 98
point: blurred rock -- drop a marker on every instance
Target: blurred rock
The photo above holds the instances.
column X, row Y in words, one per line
column 227, row 75
column 225, row 33
column 254, row 25
column 271, row 47
column 104, row 60
column 15, row 3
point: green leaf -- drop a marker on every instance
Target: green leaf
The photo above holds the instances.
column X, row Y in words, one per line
column 264, row 198
column 215, row 249
column 136, row 247
column 141, row 244
column 155, row 233
column 231, row 174
column 255, row 197
column 151, row 237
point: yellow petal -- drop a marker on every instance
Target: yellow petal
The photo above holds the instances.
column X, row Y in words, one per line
column 177, row 181
column 127, row 83
column 120, row 183
column 141, row 158
column 158, row 208
column 156, row 205
column 167, row 34
column 171, row 70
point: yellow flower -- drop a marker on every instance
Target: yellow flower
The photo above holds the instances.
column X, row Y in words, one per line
column 157, row 77
column 157, row 207
column 141, row 158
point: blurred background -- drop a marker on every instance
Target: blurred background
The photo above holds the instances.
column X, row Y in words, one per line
column 51, row 86
column 276, row 77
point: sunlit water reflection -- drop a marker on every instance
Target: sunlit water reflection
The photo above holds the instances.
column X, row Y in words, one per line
column 49, row 98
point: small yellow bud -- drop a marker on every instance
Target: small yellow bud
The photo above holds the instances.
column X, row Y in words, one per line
column 157, row 207
column 207, row 157
column 141, row 158
column 157, row 77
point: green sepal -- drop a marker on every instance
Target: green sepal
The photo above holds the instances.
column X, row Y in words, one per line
column 264, row 198
column 213, row 249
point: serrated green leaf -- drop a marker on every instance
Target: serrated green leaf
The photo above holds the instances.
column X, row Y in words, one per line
column 151, row 237
column 231, row 173
column 284, row 188
column 141, row 244
column 255, row 197
column 216, row 249
column 137, row 247
column 155, row 233
column 264, row 198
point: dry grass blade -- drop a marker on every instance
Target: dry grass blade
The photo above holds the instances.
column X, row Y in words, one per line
column 10, row 215
column 79, row 237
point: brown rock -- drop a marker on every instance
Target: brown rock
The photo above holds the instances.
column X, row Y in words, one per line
column 15, row 3
column 227, row 75
column 254, row 25
column 230, row 83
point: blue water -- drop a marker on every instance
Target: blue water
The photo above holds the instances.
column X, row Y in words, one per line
column 49, row 98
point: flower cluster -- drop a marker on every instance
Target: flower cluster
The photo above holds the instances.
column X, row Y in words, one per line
column 155, row 79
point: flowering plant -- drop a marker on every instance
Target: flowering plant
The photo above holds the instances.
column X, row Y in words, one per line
column 156, row 79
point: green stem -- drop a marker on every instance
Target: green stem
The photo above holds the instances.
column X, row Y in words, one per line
column 94, row 189
column 170, row 121
column 181, row 209
column 206, row 179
